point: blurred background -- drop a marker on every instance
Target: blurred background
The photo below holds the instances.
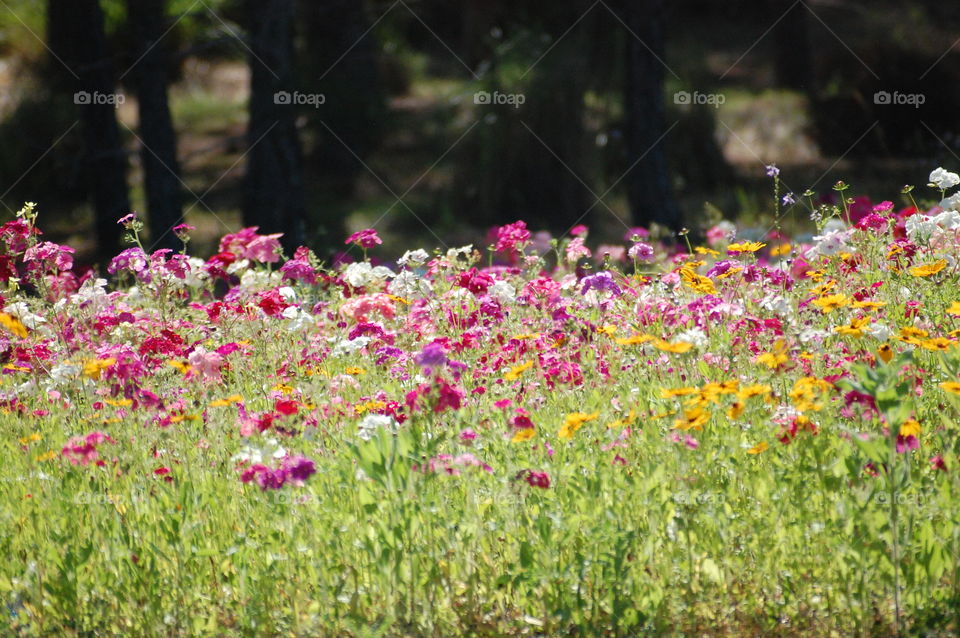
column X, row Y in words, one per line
column 432, row 120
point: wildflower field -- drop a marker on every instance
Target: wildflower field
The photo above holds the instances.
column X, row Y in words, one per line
column 755, row 435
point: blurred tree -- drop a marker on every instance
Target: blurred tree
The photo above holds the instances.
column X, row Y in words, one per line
column 149, row 22
column 76, row 39
column 793, row 61
column 274, row 195
column 648, row 184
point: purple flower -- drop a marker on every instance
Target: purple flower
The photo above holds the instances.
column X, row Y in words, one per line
column 366, row 238
column 433, row 355
column 602, row 281
column 298, row 469
column 772, row 171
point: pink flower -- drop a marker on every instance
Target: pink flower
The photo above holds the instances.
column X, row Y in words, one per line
column 512, row 238
column 205, row 364
column 576, row 250
column 82, row 450
column 578, row 231
column 366, row 238
column 265, row 249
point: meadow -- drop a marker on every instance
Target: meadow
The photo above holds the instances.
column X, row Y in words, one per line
column 748, row 435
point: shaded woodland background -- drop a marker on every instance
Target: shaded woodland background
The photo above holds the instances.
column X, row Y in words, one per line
column 193, row 129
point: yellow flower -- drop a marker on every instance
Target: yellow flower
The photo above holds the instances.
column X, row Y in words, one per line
column 230, row 400
column 745, row 247
column 815, row 275
column 47, row 456
column 753, row 391
column 927, row 270
column 355, row 371
column 283, row 388
column 13, row 325
column 634, row 340
column 514, row 373
column 700, row 250
column 762, row 446
column 782, row 249
column 823, row 289
column 179, row 365
column 525, row 336
column 910, row 331
column 951, row 386
column 669, row 393
column 627, row 420
column 869, row 305
column 830, row 303
column 608, row 329
column 94, row 367
column 940, row 344
column 33, row 438
column 910, row 428
column 524, row 435
column 119, row 403
column 885, row 352
column 574, row 422
column 736, row 410
column 855, row 329
column 808, row 393
column 954, row 309
column 692, row 420
column 729, row 273
column 698, row 283
column 679, row 347
column 405, row 302
column 777, row 357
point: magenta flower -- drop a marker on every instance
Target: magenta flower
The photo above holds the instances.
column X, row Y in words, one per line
column 82, row 450
column 538, row 479
column 366, row 238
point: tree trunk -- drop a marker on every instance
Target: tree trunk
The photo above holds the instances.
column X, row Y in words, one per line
column 793, row 58
column 650, row 192
column 159, row 153
column 78, row 41
column 274, row 197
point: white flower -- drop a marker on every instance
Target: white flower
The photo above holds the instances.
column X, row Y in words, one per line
column 951, row 203
column 944, row 179
column 408, row 284
column 830, row 243
column 349, row 346
column 694, row 336
column 503, row 292
column 372, row 422
column 453, row 253
column 289, row 294
column 362, row 274
column 413, row 258
column 879, row 331
column 776, row 304
column 920, row 228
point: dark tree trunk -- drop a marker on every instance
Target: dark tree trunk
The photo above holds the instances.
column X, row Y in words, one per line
column 340, row 56
column 77, row 39
column 791, row 35
column 649, row 189
column 274, row 197
column 159, row 153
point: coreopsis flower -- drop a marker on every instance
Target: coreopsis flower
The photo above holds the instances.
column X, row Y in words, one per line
column 927, row 270
column 574, row 422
